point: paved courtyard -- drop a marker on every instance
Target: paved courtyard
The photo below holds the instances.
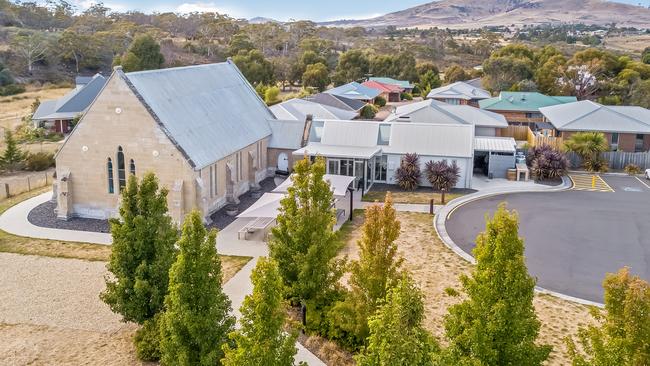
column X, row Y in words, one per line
column 574, row 237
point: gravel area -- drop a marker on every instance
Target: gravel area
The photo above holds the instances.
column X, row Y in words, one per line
column 43, row 215
column 220, row 219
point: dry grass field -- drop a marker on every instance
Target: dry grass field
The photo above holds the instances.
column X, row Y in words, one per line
column 435, row 267
column 632, row 44
column 13, row 108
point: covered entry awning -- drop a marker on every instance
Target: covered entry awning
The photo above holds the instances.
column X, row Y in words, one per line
column 339, row 184
column 495, row 144
column 338, row 151
column 266, row 206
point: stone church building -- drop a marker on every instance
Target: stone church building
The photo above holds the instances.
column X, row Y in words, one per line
column 202, row 129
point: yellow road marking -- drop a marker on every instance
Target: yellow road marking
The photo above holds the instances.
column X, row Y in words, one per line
column 591, row 183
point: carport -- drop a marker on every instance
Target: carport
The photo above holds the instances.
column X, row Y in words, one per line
column 493, row 156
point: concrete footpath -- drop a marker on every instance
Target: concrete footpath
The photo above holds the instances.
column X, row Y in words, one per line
column 14, row 221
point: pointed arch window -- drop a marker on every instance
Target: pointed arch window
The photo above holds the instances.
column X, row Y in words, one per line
column 121, row 173
column 132, row 167
column 109, row 169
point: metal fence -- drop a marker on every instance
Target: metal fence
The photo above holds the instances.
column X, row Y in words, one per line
column 617, row 159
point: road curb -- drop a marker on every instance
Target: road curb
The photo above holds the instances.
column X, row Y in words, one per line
column 440, row 220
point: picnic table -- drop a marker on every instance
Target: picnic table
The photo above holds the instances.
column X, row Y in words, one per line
column 260, row 223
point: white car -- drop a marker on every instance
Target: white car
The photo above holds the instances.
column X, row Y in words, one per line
column 647, row 174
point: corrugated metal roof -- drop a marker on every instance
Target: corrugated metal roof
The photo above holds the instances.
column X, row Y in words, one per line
column 210, row 111
column 523, row 101
column 350, row 133
column 459, row 90
column 338, row 151
column 298, row 109
column 384, row 88
column 337, row 101
column 401, row 83
column 286, row 134
column 590, row 116
column 73, row 103
column 354, row 90
column 495, row 144
column 431, row 139
column 439, row 112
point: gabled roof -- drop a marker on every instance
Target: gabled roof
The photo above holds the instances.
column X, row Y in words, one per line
column 286, row 134
column 476, row 82
column 459, row 90
column 404, row 84
column 337, row 101
column 433, row 111
column 523, row 101
column 298, row 109
column 384, row 88
column 354, row 90
column 209, row 111
column 72, row 104
column 82, row 80
column 590, row 116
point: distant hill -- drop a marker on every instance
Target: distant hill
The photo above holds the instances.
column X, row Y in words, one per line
column 261, row 20
column 479, row 13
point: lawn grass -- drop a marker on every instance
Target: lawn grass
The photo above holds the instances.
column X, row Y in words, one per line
column 72, row 250
column 420, row 196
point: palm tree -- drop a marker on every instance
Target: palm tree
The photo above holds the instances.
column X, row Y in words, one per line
column 588, row 145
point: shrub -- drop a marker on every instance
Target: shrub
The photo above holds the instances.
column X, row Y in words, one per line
column 380, row 101
column 442, row 176
column 406, row 96
column 368, row 111
column 39, row 161
column 547, row 162
column 271, row 95
column 147, row 340
column 596, row 165
column 632, row 169
column 11, row 89
column 408, row 174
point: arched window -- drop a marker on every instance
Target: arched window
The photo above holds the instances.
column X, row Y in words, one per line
column 121, row 173
column 109, row 169
column 132, row 167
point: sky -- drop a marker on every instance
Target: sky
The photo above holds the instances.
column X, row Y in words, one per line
column 282, row 10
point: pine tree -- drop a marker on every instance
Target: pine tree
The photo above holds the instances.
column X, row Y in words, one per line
column 497, row 324
column 303, row 241
column 397, row 337
column 261, row 339
column 374, row 274
column 13, row 156
column 142, row 251
column 622, row 336
column 196, row 321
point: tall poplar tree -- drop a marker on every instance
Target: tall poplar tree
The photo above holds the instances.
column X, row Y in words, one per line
column 303, row 241
column 261, row 339
column 497, row 324
column 142, row 251
column 196, row 321
column 374, row 274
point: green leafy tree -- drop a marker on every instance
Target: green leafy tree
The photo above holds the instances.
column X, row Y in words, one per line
column 622, row 333
column 317, row 76
column 303, row 242
column 13, row 156
column 374, row 274
column 142, row 54
column 397, row 336
column 548, row 74
column 261, row 339
column 255, row 67
column 640, row 93
column 645, row 56
column 456, row 73
column 196, row 321
column 271, row 95
column 504, row 72
column 589, row 146
column 142, row 251
column 497, row 324
column 5, row 75
column 353, row 65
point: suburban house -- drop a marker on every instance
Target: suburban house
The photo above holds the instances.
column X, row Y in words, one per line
column 627, row 128
column 372, row 151
column 202, row 129
column 57, row 115
column 336, row 101
column 459, row 92
column 298, row 109
column 391, row 93
column 404, row 84
column 355, row 91
column 432, row 111
column 522, row 108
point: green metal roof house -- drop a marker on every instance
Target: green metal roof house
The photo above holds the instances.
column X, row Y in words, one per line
column 523, row 101
column 404, row 84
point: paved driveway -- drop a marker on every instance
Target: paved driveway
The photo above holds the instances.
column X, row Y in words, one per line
column 573, row 238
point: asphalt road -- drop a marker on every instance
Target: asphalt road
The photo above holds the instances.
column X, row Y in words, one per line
column 572, row 238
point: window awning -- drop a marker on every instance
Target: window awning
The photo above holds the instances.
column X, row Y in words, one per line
column 339, row 184
column 338, row 151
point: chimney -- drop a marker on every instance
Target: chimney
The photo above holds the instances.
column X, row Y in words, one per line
column 305, row 132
